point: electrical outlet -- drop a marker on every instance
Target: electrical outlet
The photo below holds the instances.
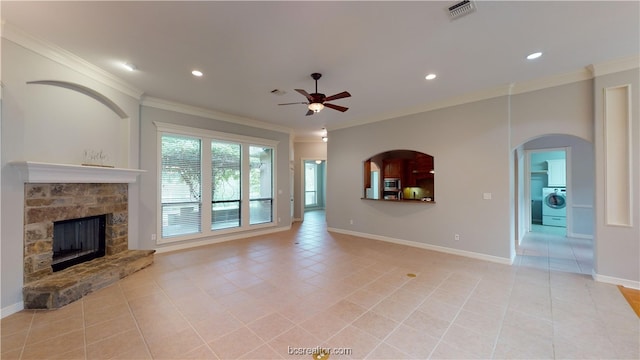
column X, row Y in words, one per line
column 153, row 237
column 456, row 237
column 279, row 219
column 351, row 221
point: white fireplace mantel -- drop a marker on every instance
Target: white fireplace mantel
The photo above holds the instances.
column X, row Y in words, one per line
column 38, row 172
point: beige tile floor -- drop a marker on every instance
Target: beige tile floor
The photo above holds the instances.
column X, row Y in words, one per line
column 257, row 298
column 547, row 247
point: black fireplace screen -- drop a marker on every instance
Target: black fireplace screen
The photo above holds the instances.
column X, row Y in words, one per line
column 78, row 240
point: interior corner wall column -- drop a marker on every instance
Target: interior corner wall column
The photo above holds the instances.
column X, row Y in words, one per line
column 617, row 153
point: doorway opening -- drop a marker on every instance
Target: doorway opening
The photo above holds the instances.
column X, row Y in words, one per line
column 554, row 184
column 314, row 185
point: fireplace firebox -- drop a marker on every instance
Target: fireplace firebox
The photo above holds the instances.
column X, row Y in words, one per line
column 78, row 240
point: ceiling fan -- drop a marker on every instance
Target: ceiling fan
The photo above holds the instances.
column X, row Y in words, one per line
column 318, row 101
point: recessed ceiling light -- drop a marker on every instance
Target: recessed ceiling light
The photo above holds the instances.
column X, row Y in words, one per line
column 430, row 76
column 197, row 73
column 129, row 66
column 535, row 55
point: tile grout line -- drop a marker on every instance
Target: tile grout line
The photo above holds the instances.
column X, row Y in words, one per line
column 504, row 316
column 24, row 345
column 225, row 311
column 187, row 320
column 146, row 345
column 454, row 318
column 400, row 323
column 345, row 299
column 553, row 322
column 84, row 330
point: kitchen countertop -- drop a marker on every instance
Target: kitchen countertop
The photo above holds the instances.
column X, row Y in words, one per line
column 402, row 200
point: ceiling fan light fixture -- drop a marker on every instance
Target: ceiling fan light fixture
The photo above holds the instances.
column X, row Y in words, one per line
column 316, row 107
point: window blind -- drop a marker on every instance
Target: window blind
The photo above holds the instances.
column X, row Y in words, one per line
column 181, row 185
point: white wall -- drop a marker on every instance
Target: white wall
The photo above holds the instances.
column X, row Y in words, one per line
column 618, row 246
column 473, row 145
column 470, row 146
column 53, row 124
column 565, row 109
column 149, row 161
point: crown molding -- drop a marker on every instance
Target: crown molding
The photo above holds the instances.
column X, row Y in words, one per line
column 614, row 66
column 308, row 139
column 67, row 59
column 502, row 90
column 586, row 73
column 551, row 81
column 211, row 114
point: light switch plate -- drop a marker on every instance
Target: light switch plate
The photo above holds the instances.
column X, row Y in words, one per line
column 486, row 196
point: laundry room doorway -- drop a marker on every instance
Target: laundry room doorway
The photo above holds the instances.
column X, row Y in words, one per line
column 560, row 236
column 548, row 193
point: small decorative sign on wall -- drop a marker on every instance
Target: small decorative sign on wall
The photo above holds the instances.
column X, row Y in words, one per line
column 96, row 158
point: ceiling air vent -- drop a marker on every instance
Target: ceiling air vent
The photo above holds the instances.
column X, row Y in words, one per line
column 461, row 9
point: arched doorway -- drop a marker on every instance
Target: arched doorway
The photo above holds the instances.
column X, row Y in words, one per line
column 554, row 212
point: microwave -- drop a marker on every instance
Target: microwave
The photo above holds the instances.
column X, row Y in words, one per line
column 391, row 184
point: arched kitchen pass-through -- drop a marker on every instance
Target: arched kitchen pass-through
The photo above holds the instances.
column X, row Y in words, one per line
column 405, row 175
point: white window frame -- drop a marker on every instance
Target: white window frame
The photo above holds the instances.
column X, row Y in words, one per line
column 206, row 136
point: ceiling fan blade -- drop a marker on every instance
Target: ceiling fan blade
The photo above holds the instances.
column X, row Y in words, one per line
column 336, row 107
column 305, row 94
column 310, row 112
column 341, row 95
column 294, row 103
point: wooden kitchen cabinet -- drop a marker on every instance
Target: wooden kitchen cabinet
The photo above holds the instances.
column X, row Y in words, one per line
column 410, row 179
column 393, row 168
column 423, row 166
column 418, row 169
column 424, row 161
column 367, row 174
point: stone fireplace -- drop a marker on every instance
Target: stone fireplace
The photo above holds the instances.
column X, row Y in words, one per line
column 49, row 203
column 57, row 193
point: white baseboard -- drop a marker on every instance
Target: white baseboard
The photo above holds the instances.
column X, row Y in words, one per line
column 469, row 254
column 210, row 241
column 11, row 309
column 616, row 281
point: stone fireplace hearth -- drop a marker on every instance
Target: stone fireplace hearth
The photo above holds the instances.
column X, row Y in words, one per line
column 75, row 195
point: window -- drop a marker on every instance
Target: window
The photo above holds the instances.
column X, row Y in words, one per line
column 310, row 184
column 180, row 185
column 261, row 184
column 235, row 174
column 225, row 185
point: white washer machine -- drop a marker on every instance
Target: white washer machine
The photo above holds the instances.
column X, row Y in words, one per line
column 554, row 207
